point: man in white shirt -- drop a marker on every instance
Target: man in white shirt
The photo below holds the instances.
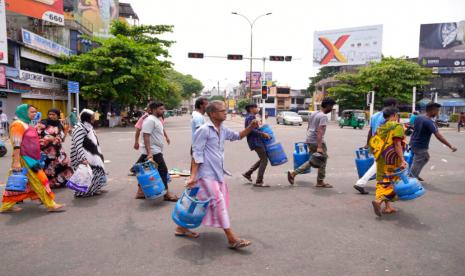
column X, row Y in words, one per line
column 153, row 140
column 198, row 118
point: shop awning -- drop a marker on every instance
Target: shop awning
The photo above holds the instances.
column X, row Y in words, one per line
column 452, row 102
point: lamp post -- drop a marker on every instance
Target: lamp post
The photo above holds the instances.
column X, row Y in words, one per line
column 251, row 23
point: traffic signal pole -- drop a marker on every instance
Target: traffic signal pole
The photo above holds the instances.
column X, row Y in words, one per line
column 263, row 100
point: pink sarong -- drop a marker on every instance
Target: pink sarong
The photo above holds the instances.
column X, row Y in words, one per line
column 217, row 212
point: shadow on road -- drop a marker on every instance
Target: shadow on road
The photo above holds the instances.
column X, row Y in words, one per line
column 430, row 187
column 406, row 220
column 31, row 210
column 208, row 247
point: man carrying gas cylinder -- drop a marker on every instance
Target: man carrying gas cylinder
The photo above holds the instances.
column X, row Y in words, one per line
column 317, row 123
column 208, row 172
column 376, row 121
column 254, row 139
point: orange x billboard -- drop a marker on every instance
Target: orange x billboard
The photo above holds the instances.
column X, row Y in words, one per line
column 333, row 49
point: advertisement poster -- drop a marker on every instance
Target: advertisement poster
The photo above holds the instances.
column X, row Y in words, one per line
column 442, row 44
column 3, row 37
column 47, row 10
column 256, row 79
column 99, row 13
column 353, row 46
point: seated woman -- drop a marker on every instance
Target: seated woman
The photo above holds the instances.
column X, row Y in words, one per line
column 26, row 154
column 85, row 149
column 57, row 163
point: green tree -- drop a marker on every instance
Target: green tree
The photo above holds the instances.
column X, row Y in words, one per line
column 216, row 98
column 128, row 68
column 324, row 73
column 241, row 103
column 391, row 77
column 188, row 83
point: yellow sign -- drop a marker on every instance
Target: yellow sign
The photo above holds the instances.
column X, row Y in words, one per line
column 232, row 104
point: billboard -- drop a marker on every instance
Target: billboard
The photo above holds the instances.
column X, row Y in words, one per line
column 47, row 10
column 442, row 44
column 97, row 13
column 256, row 79
column 3, row 37
column 353, row 46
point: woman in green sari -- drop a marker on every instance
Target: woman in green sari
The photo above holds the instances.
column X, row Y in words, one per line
column 390, row 159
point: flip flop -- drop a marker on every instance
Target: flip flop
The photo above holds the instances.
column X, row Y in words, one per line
column 239, row 244
column 13, row 209
column 249, row 178
column 172, row 198
column 325, row 185
column 290, row 178
column 187, row 234
column 58, row 208
column 390, row 212
column 376, row 208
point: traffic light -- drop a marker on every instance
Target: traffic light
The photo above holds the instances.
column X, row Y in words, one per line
column 276, row 58
column 288, row 58
column 264, row 92
column 195, row 55
column 235, row 57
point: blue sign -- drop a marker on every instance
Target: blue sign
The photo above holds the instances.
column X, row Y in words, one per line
column 41, row 43
column 73, row 87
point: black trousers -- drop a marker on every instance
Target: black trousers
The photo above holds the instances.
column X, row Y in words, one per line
column 162, row 168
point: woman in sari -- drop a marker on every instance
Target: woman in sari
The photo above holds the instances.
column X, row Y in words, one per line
column 85, row 149
column 26, row 154
column 57, row 163
column 390, row 159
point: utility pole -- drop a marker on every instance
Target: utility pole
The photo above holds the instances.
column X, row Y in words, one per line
column 263, row 79
column 414, row 98
column 372, row 104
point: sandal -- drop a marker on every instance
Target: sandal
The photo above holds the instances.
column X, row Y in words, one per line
column 389, row 212
column 248, row 177
column 324, row 185
column 13, row 209
column 290, row 178
column 57, row 208
column 187, row 234
column 261, row 185
column 171, row 198
column 239, row 244
column 376, row 208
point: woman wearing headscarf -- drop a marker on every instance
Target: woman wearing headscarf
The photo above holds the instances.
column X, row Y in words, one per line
column 85, row 149
column 26, row 154
column 57, row 163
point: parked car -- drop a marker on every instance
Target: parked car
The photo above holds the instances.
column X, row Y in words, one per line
column 289, row 118
column 304, row 114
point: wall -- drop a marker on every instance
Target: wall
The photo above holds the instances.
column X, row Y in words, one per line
column 10, row 103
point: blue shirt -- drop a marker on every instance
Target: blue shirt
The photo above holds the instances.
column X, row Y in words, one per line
column 254, row 139
column 208, row 150
column 376, row 121
column 412, row 119
column 424, row 127
column 197, row 120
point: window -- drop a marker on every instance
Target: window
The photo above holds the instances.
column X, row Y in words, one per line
column 269, row 100
column 34, row 66
column 283, row 90
column 300, row 101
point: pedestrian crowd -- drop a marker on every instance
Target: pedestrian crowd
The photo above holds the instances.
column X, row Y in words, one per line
column 39, row 149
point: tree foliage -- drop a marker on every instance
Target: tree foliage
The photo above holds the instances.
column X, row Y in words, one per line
column 324, row 73
column 241, row 103
column 128, row 68
column 392, row 77
column 189, row 85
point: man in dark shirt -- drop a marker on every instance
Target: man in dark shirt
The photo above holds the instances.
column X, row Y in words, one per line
column 254, row 139
column 461, row 121
column 423, row 129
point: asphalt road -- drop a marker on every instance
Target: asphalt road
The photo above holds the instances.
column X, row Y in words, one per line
column 298, row 230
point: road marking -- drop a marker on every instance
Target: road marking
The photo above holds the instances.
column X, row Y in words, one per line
column 107, row 161
column 444, row 160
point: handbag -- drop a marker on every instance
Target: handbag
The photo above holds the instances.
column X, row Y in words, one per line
column 81, row 179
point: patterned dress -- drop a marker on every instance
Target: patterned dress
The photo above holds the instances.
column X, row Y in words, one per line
column 57, row 163
column 85, row 146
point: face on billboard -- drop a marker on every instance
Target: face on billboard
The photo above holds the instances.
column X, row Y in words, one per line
column 442, row 44
column 352, row 46
column 47, row 10
column 100, row 13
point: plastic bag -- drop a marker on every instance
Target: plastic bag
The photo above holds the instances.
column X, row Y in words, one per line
column 81, row 180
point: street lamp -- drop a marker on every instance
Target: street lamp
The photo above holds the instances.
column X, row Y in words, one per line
column 251, row 23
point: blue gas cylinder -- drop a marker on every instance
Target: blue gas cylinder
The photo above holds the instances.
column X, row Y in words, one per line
column 189, row 210
column 149, row 180
column 408, row 156
column 301, row 155
column 363, row 161
column 267, row 129
column 408, row 188
column 17, row 181
column 276, row 154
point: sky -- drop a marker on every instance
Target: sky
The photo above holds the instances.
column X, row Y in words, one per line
column 207, row 26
